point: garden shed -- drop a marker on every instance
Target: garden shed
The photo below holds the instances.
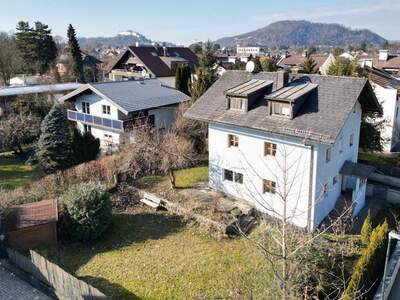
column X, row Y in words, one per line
column 31, row 225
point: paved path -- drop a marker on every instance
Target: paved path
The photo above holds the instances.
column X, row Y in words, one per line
column 12, row 288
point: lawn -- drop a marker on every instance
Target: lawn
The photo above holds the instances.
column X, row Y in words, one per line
column 14, row 173
column 184, row 178
column 148, row 255
column 379, row 158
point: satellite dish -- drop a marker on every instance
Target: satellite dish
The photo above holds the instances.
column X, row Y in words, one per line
column 250, row 66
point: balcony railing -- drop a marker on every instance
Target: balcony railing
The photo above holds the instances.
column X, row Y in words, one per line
column 94, row 120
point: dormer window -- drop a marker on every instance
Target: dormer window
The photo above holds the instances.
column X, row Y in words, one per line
column 282, row 109
column 243, row 96
column 288, row 100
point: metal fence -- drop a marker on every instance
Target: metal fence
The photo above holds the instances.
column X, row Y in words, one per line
column 65, row 285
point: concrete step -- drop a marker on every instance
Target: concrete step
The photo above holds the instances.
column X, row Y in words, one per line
column 152, row 198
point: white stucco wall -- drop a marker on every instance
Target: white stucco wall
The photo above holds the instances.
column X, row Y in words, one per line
column 387, row 97
column 327, row 170
column 307, row 168
column 248, row 158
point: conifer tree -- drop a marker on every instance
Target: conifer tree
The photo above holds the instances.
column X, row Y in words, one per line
column 75, row 51
column 309, row 66
column 257, row 65
column 178, row 77
column 54, row 150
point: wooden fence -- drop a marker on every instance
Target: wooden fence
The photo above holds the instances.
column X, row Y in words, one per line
column 64, row 285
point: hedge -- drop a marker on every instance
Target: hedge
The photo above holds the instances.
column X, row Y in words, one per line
column 370, row 265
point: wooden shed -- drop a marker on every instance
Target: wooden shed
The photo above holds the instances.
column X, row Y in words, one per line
column 31, row 225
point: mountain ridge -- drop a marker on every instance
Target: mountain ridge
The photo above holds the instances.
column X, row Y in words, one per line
column 300, row 33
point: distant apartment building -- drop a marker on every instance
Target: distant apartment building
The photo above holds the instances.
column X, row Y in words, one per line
column 245, row 51
column 150, row 62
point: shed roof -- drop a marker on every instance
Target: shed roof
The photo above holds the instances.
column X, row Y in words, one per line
column 39, row 89
column 320, row 119
column 133, row 95
column 247, row 88
column 31, row 214
column 292, row 92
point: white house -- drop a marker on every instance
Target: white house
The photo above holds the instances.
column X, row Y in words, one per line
column 296, row 61
column 387, row 90
column 109, row 109
column 275, row 140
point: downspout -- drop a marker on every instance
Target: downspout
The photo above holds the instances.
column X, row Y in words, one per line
column 310, row 188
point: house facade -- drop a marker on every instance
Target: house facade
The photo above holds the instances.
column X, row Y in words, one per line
column 110, row 109
column 150, row 62
column 287, row 143
column 387, row 90
column 295, row 62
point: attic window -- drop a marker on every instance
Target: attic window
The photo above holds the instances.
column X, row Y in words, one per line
column 237, row 103
column 282, row 109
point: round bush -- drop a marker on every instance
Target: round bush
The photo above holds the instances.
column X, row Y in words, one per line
column 89, row 209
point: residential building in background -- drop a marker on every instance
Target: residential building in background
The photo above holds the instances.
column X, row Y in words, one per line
column 384, row 60
column 150, row 62
column 274, row 136
column 109, row 109
column 294, row 62
column 387, row 90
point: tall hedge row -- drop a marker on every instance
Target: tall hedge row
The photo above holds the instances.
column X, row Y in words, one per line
column 370, row 265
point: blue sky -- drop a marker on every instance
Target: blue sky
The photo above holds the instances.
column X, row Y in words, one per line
column 184, row 22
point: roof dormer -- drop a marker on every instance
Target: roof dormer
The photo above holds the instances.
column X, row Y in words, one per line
column 243, row 96
column 287, row 101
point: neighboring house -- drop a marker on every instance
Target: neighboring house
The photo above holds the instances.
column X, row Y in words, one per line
column 387, row 90
column 347, row 55
column 309, row 125
column 384, row 61
column 64, row 63
column 31, row 225
column 109, row 109
column 295, row 62
column 150, row 62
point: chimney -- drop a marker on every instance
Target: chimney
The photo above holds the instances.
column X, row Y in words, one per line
column 383, row 54
column 282, row 79
column 165, row 50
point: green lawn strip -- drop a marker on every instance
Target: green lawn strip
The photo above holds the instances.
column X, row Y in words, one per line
column 14, row 173
column 158, row 256
column 377, row 158
column 184, row 178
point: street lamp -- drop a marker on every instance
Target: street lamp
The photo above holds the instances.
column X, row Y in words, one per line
column 392, row 235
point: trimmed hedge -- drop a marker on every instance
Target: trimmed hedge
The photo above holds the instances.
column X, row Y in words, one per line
column 370, row 265
column 366, row 229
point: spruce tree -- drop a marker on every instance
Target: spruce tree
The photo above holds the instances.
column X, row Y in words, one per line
column 309, row 66
column 46, row 48
column 75, row 51
column 178, row 77
column 257, row 65
column 54, row 150
column 85, row 146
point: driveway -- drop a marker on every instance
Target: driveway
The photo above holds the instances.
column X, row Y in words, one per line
column 12, row 287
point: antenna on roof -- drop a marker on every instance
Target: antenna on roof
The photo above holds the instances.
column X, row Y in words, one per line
column 250, row 66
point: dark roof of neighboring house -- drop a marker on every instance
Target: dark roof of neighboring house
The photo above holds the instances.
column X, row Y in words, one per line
column 356, row 169
column 298, row 60
column 382, row 77
column 90, row 60
column 155, row 60
column 393, row 62
column 133, row 95
column 321, row 117
column 31, row 214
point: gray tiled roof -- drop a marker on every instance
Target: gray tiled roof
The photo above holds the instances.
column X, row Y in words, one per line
column 322, row 115
column 136, row 95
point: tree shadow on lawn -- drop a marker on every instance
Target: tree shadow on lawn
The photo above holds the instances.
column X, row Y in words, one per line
column 114, row 290
column 125, row 230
